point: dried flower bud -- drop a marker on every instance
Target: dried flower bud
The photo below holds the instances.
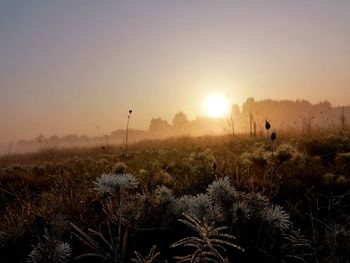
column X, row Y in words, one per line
column 273, row 135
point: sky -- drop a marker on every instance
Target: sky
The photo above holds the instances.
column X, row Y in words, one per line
column 79, row 66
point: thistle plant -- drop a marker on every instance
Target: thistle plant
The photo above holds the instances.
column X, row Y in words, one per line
column 112, row 183
column 273, row 139
column 107, row 249
column 258, row 156
column 267, row 127
column 277, row 218
column 118, row 188
column 287, row 152
column 163, row 195
column 209, row 244
column 164, row 198
column 184, row 205
column 298, row 248
column 120, row 168
column 2, row 239
column 50, row 250
column 221, row 192
column 202, row 162
column 150, row 258
column 202, row 207
column 240, row 211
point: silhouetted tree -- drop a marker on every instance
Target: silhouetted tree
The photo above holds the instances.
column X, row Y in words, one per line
column 180, row 123
column 160, row 128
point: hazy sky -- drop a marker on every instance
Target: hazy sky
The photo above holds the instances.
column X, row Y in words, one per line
column 69, row 66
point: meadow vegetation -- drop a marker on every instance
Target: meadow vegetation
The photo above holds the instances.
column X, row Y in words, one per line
column 205, row 199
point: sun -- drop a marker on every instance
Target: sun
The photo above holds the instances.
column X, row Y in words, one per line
column 215, row 105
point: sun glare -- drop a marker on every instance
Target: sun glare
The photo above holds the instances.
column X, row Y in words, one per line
column 215, row 105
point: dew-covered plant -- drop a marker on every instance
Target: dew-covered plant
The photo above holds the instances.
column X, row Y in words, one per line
column 202, row 162
column 150, row 258
column 163, row 197
column 258, row 156
column 221, row 192
column 120, row 168
column 108, row 249
column 202, row 207
column 2, row 239
column 184, row 205
column 209, row 244
column 277, row 218
column 297, row 247
column 164, row 203
column 287, row 152
column 120, row 189
column 113, row 183
column 240, row 211
column 50, row 250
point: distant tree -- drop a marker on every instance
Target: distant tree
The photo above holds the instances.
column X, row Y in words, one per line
column 235, row 111
column 248, row 106
column 180, row 123
column 54, row 140
column 40, row 139
column 232, row 119
column 160, row 128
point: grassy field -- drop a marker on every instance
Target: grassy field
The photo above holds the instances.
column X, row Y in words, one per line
column 207, row 199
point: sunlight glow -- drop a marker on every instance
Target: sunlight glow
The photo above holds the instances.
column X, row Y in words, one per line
column 215, row 105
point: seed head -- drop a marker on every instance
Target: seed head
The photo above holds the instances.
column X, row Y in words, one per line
column 273, row 136
column 267, row 125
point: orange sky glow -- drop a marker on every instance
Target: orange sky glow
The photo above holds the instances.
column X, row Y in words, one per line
column 73, row 66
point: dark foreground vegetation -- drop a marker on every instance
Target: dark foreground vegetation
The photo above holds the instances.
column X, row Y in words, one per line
column 209, row 199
